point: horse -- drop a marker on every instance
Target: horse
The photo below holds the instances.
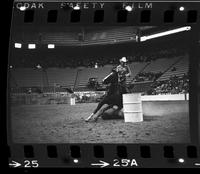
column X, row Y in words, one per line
column 113, row 96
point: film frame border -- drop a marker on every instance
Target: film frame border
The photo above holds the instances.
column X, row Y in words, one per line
column 144, row 153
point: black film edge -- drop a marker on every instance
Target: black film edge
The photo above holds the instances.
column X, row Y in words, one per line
column 103, row 84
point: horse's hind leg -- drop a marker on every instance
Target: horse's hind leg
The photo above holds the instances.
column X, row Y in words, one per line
column 96, row 110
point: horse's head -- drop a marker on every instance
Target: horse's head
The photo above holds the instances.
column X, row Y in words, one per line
column 111, row 78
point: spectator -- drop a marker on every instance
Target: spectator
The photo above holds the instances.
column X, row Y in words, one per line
column 147, row 76
column 173, row 69
column 174, row 85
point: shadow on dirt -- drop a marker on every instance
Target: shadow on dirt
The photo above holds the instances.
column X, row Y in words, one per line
column 111, row 117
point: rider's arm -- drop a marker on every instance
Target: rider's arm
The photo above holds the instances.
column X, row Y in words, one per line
column 129, row 72
column 116, row 68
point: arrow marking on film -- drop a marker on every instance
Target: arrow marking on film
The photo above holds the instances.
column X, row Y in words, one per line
column 14, row 164
column 101, row 164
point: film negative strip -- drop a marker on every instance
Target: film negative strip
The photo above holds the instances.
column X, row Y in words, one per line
column 103, row 84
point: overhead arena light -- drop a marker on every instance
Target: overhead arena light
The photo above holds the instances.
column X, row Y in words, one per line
column 31, row 46
column 51, row 46
column 18, row 45
column 128, row 8
column 165, row 33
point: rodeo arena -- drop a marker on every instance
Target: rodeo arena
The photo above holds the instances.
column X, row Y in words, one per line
column 120, row 84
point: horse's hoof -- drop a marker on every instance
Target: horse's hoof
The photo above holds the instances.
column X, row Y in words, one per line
column 87, row 120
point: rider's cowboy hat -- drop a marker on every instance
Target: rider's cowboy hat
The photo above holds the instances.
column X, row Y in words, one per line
column 123, row 59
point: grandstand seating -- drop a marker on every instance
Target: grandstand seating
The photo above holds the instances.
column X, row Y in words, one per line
column 88, row 37
column 136, row 67
column 67, row 38
column 110, row 35
column 26, row 77
column 101, row 72
column 64, row 77
column 181, row 68
column 77, row 78
column 141, row 86
column 26, row 37
column 160, row 65
column 86, row 73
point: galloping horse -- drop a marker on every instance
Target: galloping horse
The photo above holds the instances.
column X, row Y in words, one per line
column 113, row 96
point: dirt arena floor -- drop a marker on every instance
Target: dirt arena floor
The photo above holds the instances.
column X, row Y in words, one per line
column 61, row 123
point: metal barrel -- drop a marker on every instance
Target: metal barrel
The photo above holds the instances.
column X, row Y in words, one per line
column 132, row 106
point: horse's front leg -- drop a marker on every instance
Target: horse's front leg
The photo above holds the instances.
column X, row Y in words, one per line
column 102, row 111
column 95, row 111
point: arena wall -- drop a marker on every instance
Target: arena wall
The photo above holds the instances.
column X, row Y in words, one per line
column 41, row 99
column 165, row 97
column 152, row 105
column 161, row 105
column 162, row 108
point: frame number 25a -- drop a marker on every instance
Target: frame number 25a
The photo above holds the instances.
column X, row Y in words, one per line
column 124, row 163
